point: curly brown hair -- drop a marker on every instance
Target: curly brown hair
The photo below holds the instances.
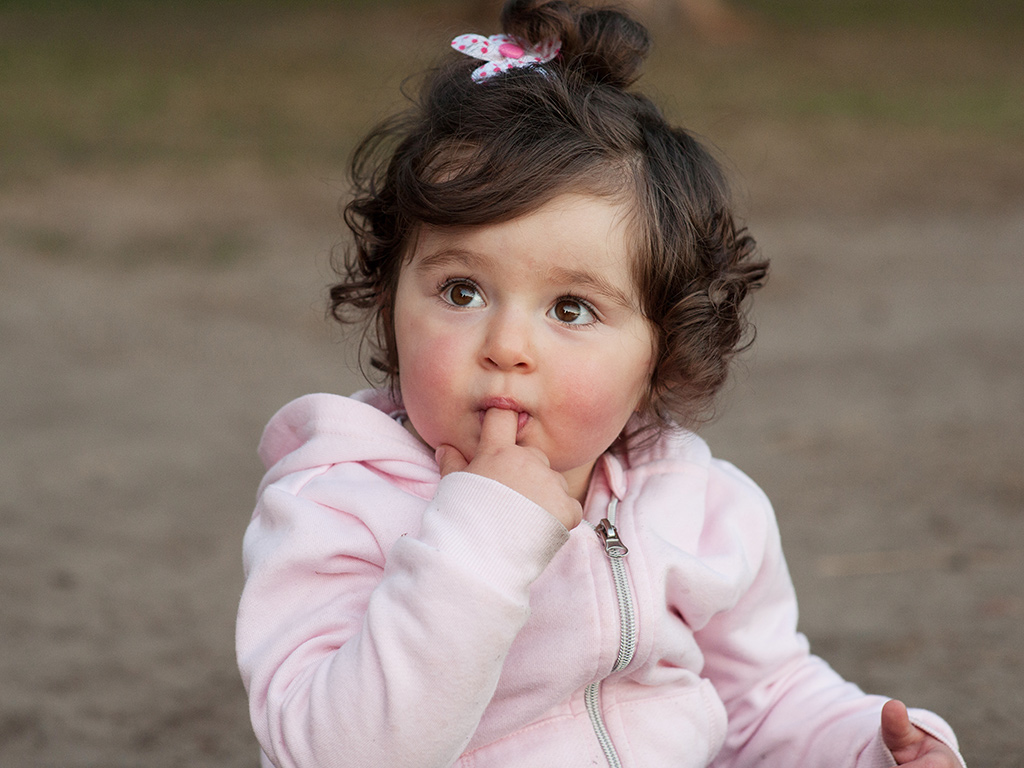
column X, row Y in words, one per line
column 468, row 154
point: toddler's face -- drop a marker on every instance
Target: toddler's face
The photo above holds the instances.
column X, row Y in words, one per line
column 538, row 315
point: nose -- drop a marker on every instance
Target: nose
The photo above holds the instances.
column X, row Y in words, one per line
column 508, row 344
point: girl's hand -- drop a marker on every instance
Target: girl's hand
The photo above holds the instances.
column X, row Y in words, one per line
column 909, row 744
column 523, row 469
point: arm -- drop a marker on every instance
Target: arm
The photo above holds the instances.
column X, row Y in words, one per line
column 349, row 660
column 785, row 705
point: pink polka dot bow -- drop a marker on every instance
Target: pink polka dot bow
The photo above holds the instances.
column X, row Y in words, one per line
column 504, row 52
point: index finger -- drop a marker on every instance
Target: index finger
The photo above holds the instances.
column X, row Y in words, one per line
column 500, row 427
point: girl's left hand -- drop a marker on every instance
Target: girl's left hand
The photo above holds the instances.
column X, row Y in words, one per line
column 909, row 744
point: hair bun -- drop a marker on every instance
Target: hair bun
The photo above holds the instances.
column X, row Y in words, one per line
column 601, row 44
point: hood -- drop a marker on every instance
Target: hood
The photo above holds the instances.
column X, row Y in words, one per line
column 322, row 429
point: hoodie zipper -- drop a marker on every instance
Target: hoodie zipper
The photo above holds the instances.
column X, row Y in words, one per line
column 616, row 552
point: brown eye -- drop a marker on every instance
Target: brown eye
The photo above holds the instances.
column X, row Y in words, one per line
column 567, row 311
column 462, row 294
column 572, row 312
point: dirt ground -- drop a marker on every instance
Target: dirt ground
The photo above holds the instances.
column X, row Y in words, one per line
column 882, row 409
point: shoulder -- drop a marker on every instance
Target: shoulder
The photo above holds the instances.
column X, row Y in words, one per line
column 676, row 477
column 679, row 452
column 296, row 422
column 320, row 430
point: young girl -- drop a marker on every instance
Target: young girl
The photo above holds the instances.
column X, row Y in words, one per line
column 514, row 554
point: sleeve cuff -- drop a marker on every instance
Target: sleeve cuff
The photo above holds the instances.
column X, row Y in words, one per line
column 930, row 723
column 937, row 728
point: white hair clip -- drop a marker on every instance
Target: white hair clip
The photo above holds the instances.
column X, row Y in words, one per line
column 504, row 52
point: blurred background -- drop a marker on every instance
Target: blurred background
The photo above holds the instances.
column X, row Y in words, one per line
column 170, row 175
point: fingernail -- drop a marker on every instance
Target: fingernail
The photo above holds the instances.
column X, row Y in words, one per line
column 439, row 454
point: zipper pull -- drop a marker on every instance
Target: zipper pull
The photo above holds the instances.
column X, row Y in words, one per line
column 610, row 536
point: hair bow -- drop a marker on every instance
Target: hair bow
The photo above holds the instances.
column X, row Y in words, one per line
column 504, row 52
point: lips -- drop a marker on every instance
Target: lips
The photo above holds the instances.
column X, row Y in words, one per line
column 505, row 404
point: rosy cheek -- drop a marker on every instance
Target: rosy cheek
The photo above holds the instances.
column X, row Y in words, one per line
column 428, row 373
column 599, row 393
column 590, row 401
column 430, row 361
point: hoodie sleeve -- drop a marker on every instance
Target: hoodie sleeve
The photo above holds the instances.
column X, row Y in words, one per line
column 351, row 660
column 785, row 706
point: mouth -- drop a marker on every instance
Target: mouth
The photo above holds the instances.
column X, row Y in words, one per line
column 505, row 404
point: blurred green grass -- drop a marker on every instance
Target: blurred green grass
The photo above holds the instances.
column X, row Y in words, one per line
column 118, row 84
column 122, row 85
column 917, row 13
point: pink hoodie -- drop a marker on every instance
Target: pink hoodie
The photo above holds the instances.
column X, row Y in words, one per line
column 389, row 619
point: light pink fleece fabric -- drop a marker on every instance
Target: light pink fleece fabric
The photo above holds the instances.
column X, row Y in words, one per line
column 389, row 619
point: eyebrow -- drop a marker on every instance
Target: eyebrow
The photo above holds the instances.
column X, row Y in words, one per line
column 447, row 257
column 578, row 278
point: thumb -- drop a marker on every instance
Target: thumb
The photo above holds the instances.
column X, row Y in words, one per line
column 898, row 732
column 449, row 459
